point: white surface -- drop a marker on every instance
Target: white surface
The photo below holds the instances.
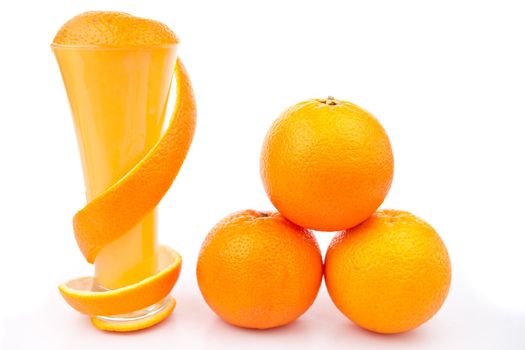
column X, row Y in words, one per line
column 446, row 80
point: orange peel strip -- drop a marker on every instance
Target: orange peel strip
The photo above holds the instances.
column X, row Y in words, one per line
column 124, row 204
column 79, row 293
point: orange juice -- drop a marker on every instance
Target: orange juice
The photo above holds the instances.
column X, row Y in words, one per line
column 118, row 100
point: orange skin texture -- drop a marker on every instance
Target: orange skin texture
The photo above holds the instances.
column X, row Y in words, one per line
column 326, row 164
column 113, row 29
column 390, row 274
column 259, row 270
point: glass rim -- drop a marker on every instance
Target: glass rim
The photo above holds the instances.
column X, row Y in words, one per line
column 55, row 46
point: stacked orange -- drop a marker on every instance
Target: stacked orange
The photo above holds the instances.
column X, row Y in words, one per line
column 259, row 270
column 123, row 205
column 326, row 165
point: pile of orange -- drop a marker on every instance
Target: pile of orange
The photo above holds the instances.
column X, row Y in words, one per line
column 326, row 165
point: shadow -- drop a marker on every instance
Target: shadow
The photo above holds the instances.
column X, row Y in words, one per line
column 297, row 326
column 464, row 322
column 354, row 332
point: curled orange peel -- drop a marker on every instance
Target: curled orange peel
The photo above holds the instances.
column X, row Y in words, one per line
column 80, row 295
column 122, row 206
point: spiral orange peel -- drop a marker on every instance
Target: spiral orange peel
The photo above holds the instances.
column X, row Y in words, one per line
column 122, row 206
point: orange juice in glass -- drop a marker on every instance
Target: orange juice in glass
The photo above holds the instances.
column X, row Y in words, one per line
column 117, row 75
column 118, row 100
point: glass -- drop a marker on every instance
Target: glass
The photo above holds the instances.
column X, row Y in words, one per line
column 118, row 99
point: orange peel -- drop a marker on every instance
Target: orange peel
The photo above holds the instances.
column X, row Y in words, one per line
column 124, row 204
column 113, row 29
column 81, row 295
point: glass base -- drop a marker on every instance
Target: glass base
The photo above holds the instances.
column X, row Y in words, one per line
column 139, row 315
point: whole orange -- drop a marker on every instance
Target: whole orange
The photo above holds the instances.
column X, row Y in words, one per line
column 390, row 274
column 259, row 270
column 326, row 164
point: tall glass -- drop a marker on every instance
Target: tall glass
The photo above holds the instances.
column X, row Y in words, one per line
column 118, row 99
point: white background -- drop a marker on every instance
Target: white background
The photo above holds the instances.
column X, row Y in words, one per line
column 446, row 79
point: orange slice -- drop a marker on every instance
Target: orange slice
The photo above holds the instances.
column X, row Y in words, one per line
column 80, row 294
column 135, row 324
column 125, row 203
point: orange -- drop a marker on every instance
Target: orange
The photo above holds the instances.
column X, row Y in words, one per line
column 326, row 164
column 124, row 204
column 259, row 270
column 390, row 274
column 113, row 29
